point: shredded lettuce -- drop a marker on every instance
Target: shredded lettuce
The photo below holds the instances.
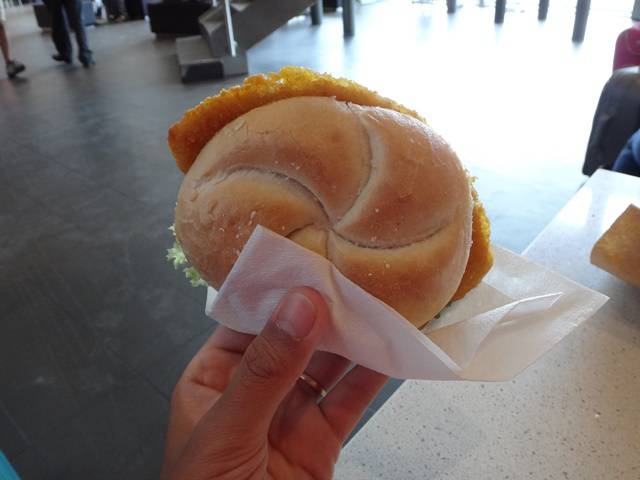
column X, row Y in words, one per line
column 176, row 256
column 194, row 277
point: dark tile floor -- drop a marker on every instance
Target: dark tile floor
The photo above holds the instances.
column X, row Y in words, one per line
column 96, row 326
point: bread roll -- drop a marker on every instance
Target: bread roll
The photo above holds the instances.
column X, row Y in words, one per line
column 377, row 192
column 618, row 250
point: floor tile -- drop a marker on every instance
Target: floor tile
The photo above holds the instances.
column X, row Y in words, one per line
column 29, row 465
column 121, row 436
column 23, row 219
column 12, row 441
column 124, row 292
column 165, row 373
column 52, row 365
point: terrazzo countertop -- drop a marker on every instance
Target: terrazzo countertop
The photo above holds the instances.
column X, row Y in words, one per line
column 574, row 414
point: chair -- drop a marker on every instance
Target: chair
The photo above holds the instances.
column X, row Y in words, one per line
column 616, row 118
column 627, row 52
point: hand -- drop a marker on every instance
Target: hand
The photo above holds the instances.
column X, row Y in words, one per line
column 240, row 411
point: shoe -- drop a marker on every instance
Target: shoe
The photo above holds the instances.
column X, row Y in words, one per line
column 87, row 61
column 14, row 68
column 58, row 57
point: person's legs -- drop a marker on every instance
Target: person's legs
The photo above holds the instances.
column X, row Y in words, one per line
column 108, row 8
column 113, row 9
column 628, row 160
column 4, row 43
column 13, row 67
column 74, row 14
column 122, row 10
column 59, row 31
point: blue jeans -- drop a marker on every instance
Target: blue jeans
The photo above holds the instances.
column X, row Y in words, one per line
column 60, row 28
column 628, row 160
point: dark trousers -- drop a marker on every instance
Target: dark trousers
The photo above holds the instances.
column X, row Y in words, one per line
column 60, row 28
column 629, row 159
column 113, row 8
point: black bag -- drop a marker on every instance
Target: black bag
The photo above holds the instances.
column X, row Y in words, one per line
column 617, row 118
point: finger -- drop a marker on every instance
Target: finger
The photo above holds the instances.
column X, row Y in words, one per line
column 273, row 361
column 348, row 400
column 223, row 339
column 226, row 339
column 326, row 369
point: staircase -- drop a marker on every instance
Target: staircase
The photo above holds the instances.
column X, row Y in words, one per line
column 229, row 29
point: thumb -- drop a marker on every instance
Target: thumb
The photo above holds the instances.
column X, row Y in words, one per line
column 275, row 359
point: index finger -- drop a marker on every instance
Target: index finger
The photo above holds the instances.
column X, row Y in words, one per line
column 224, row 338
column 223, row 341
column 347, row 401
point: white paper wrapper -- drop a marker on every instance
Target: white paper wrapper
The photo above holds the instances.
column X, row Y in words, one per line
column 518, row 312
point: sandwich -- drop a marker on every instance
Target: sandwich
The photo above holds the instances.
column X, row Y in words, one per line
column 338, row 169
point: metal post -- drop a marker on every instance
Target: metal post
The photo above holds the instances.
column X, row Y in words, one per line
column 543, row 9
column 348, row 22
column 452, row 5
column 316, row 13
column 229, row 27
column 635, row 15
column 501, row 6
column 580, row 24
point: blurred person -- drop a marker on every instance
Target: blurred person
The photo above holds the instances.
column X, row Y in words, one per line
column 100, row 11
column 628, row 160
column 267, row 406
column 115, row 10
column 13, row 67
column 60, row 31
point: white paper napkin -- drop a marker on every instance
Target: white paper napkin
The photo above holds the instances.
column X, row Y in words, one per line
column 518, row 312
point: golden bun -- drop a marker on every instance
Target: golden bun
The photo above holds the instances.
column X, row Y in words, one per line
column 366, row 245
column 374, row 190
column 618, row 250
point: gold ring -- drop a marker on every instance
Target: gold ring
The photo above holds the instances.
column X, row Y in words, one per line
column 314, row 384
